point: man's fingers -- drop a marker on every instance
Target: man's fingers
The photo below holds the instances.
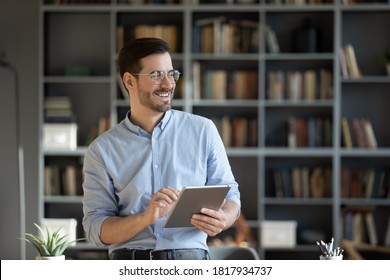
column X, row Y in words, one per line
column 167, row 194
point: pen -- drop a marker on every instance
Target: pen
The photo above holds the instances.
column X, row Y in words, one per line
column 329, row 249
column 321, row 249
column 331, row 245
column 326, row 248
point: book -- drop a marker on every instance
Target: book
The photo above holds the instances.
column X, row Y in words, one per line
column 52, row 180
column 196, row 83
column 343, row 63
column 310, row 85
column 347, row 225
column 226, row 131
column 207, row 34
column 378, row 180
column 239, row 132
column 369, row 133
column 305, row 182
column 345, row 183
column 325, row 87
column 387, row 235
column 69, row 181
column 292, row 132
column 353, row 67
column 328, row 174
column 317, row 183
column 58, row 109
column 294, row 85
column 346, row 133
column 370, row 183
column 278, row 183
column 271, row 40
column 104, row 124
column 286, row 183
column 371, row 229
column 296, row 181
column 357, row 227
column 48, row 181
column 360, row 136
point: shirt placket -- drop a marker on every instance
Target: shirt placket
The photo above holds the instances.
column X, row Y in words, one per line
column 156, row 170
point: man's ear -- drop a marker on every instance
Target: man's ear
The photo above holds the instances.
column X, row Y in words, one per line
column 127, row 80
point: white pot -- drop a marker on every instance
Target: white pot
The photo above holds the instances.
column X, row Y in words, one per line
column 334, row 258
column 51, row 258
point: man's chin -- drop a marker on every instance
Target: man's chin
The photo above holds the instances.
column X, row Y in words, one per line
column 164, row 108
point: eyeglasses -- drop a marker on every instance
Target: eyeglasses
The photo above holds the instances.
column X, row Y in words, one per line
column 158, row 76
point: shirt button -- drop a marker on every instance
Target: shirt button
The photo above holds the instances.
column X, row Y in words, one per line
column 156, row 166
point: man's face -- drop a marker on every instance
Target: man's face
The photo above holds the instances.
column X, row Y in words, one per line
column 152, row 95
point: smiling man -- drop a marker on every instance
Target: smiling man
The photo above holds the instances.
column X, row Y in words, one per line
column 134, row 172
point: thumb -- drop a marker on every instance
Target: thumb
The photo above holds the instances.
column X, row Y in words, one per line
column 223, row 203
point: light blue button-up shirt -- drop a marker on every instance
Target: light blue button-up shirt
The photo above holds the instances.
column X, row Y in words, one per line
column 126, row 165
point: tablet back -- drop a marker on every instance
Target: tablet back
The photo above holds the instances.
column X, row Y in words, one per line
column 191, row 200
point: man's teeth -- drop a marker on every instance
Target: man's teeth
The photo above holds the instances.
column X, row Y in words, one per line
column 164, row 94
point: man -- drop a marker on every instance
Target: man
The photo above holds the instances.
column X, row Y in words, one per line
column 134, row 172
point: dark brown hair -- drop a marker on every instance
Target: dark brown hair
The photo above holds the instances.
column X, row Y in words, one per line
column 134, row 50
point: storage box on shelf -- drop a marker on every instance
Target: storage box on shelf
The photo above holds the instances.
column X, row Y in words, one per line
column 278, row 234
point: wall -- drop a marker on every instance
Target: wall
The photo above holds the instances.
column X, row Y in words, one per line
column 19, row 24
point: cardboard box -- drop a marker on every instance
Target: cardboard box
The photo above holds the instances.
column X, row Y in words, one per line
column 68, row 227
column 278, row 234
column 60, row 136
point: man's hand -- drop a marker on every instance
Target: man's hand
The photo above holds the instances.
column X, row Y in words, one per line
column 117, row 229
column 213, row 222
column 210, row 221
column 161, row 203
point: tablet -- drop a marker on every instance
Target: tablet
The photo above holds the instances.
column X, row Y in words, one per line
column 191, row 200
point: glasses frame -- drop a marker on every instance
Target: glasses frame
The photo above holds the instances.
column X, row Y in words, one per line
column 159, row 80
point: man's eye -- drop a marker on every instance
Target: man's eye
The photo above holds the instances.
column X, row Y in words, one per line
column 158, row 75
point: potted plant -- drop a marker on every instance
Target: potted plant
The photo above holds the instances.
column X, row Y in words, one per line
column 51, row 244
column 386, row 61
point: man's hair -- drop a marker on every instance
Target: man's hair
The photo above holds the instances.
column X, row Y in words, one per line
column 136, row 49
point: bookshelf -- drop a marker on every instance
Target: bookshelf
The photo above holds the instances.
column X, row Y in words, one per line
column 290, row 111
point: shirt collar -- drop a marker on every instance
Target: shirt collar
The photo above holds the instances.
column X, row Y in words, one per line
column 165, row 120
column 138, row 130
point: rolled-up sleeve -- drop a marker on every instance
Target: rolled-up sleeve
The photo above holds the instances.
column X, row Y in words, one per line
column 99, row 201
column 219, row 169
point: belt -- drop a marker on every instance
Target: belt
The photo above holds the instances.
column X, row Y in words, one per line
column 130, row 254
column 175, row 254
column 180, row 254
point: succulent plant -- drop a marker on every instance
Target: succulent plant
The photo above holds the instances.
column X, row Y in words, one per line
column 386, row 57
column 52, row 243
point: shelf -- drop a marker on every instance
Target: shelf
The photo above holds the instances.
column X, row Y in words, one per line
column 366, row 201
column 87, row 35
column 90, row 79
column 298, row 201
column 63, row 199
column 80, row 151
column 368, row 79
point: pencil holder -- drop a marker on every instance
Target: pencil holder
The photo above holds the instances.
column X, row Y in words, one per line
column 331, row 258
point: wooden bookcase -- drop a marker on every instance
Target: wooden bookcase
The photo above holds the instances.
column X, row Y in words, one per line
column 77, row 34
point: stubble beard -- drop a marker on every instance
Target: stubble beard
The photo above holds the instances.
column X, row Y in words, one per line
column 146, row 99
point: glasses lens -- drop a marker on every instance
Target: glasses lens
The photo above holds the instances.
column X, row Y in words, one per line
column 158, row 76
column 174, row 75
